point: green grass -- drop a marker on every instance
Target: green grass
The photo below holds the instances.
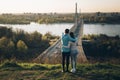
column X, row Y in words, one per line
column 34, row 71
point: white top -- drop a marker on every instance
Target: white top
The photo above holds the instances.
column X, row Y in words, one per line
column 72, row 45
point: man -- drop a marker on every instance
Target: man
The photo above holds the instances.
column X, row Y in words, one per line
column 66, row 51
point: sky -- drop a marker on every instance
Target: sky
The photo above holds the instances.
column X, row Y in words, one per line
column 58, row 6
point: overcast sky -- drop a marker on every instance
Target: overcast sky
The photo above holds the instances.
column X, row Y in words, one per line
column 59, row 6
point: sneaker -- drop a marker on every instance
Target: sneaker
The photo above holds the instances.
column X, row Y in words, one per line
column 73, row 70
column 63, row 71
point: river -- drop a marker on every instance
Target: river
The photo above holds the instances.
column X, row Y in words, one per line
column 57, row 29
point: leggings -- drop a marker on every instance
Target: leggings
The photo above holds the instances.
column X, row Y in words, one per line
column 65, row 57
column 73, row 58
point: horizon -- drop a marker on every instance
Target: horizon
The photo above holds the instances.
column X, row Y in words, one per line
column 58, row 6
column 58, row 13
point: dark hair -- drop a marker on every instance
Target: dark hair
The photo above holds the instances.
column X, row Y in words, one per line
column 66, row 30
column 72, row 34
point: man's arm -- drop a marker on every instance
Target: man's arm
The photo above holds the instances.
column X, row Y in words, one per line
column 62, row 34
column 72, row 39
column 67, row 46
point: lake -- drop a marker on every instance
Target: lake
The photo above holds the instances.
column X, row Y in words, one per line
column 57, row 29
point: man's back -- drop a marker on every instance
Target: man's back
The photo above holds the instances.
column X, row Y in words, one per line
column 65, row 41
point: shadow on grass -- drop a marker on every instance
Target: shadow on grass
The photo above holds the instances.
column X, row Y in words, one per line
column 38, row 67
column 11, row 66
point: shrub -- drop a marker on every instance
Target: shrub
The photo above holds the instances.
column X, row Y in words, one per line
column 21, row 46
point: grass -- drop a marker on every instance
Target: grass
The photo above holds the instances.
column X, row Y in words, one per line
column 33, row 71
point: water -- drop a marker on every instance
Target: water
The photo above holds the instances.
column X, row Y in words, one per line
column 57, row 29
column 108, row 29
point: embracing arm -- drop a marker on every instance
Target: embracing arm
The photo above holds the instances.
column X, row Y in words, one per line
column 67, row 46
column 72, row 39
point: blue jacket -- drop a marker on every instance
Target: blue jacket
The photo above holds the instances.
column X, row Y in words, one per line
column 65, row 40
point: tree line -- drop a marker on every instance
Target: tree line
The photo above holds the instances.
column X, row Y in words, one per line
column 48, row 18
column 22, row 46
column 98, row 17
column 101, row 46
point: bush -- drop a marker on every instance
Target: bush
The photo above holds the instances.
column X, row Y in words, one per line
column 7, row 47
column 102, row 48
column 22, row 47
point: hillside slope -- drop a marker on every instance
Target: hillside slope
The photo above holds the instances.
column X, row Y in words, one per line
column 32, row 71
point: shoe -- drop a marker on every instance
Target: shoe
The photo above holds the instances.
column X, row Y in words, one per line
column 73, row 70
column 63, row 71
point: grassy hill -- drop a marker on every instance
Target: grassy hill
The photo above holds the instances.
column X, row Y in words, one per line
column 33, row 71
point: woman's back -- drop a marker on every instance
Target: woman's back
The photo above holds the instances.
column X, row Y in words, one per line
column 73, row 46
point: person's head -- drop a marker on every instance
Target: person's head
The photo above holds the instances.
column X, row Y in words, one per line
column 72, row 35
column 66, row 31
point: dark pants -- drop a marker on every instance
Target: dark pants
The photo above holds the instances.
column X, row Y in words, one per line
column 65, row 57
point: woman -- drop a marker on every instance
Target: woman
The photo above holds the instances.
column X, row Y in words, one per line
column 73, row 51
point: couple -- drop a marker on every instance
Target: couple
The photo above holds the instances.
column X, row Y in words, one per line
column 69, row 49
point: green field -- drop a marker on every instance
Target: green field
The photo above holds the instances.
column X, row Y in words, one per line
column 33, row 71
